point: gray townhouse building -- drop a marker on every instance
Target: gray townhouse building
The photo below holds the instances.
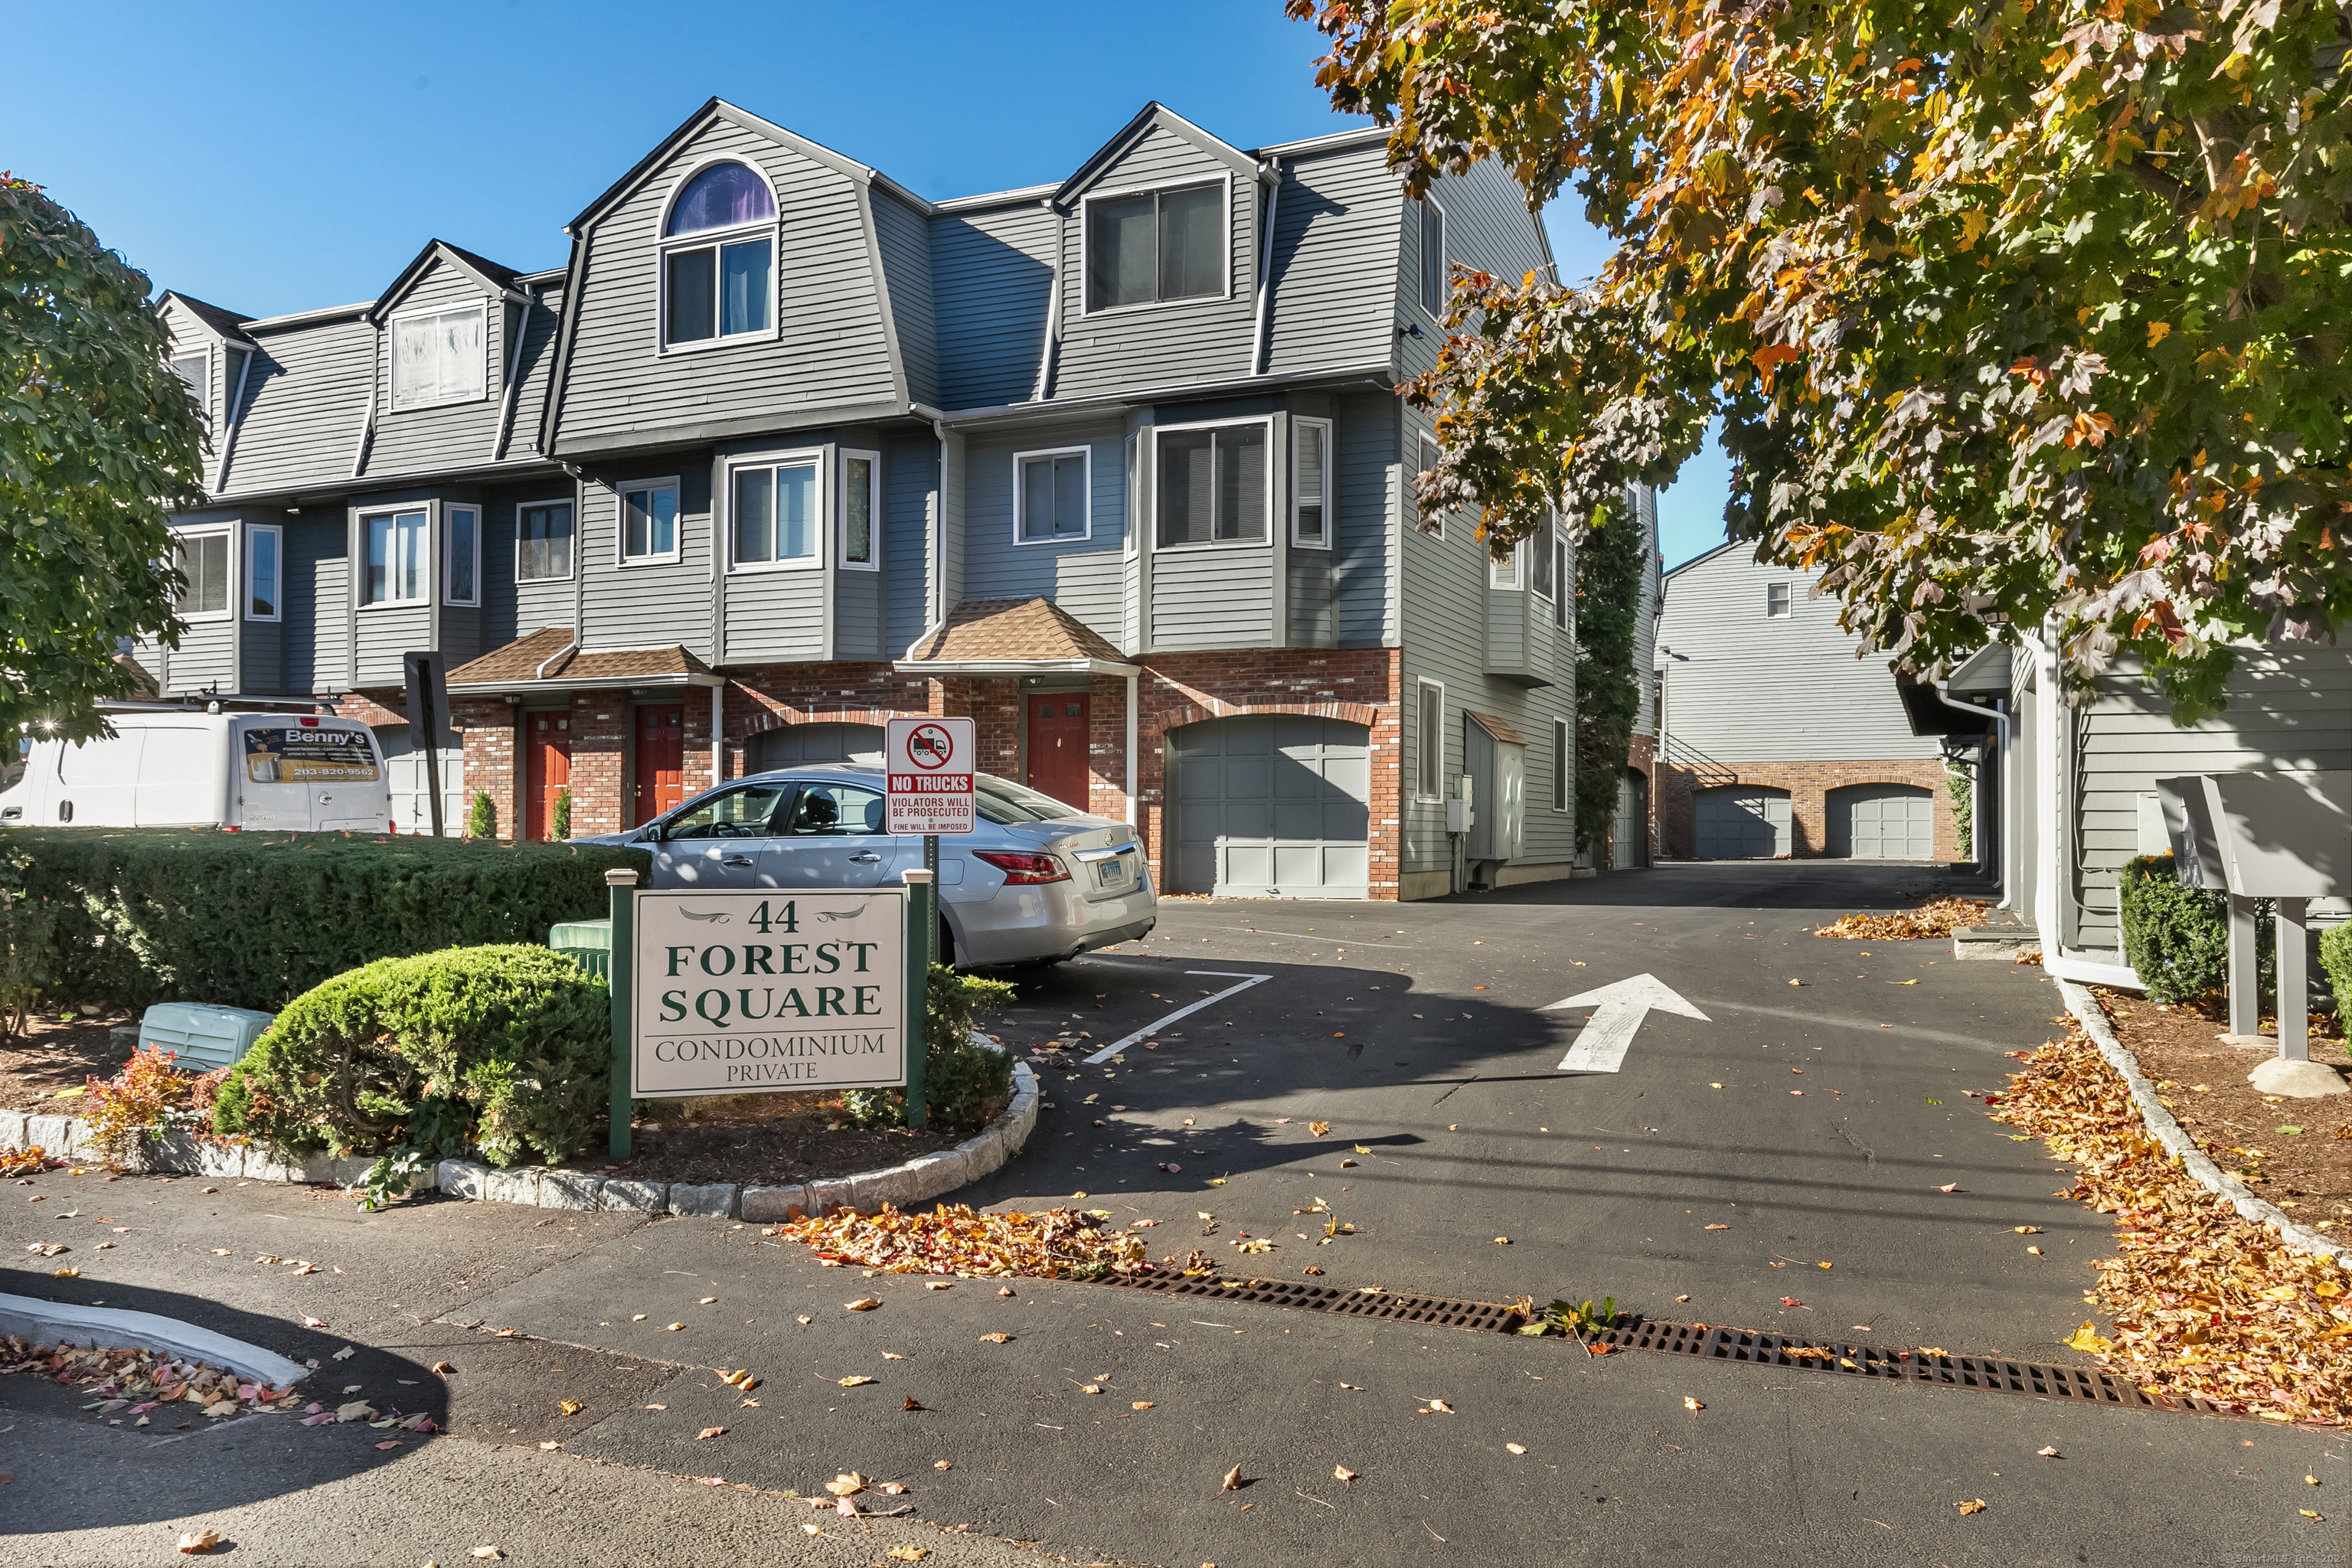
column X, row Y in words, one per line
column 1114, row 465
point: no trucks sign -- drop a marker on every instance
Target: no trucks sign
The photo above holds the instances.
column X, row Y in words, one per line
column 738, row 991
column 929, row 786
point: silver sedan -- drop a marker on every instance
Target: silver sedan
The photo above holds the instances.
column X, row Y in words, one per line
column 1037, row 881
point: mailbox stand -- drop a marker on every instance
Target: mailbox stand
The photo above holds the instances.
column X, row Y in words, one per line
column 2285, row 836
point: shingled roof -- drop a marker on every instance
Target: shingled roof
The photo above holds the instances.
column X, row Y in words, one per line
column 1011, row 631
column 516, row 664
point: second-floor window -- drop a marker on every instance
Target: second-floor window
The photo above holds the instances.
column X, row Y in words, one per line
column 1564, row 574
column 464, row 524
column 439, row 356
column 262, row 546
column 1211, row 485
column 203, row 559
column 1504, row 572
column 719, row 259
column 859, row 474
column 195, row 370
column 544, row 543
column 395, row 558
column 1311, row 483
column 1150, row 247
column 1049, row 496
column 775, row 514
column 1775, row 600
column 1432, row 257
column 648, row 522
column 1543, row 562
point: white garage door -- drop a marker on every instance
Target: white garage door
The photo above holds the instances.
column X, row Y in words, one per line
column 794, row 744
column 1882, row 822
column 1742, row 822
column 412, row 796
column 1272, row 805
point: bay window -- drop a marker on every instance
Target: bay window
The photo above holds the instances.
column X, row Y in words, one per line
column 203, row 559
column 1212, row 485
column 263, row 545
column 774, row 509
column 860, row 472
column 394, row 569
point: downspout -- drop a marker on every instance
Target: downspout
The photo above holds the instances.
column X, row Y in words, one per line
column 939, row 565
column 236, row 416
column 1134, row 795
column 514, row 363
column 1266, row 276
column 1053, row 314
column 2001, row 809
column 367, row 425
column 718, row 732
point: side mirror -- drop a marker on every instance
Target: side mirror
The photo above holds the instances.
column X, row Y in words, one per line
column 651, row 834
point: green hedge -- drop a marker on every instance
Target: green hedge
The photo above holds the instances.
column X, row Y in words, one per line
column 965, row 1084
column 134, row 916
column 2178, row 938
column 504, row 1049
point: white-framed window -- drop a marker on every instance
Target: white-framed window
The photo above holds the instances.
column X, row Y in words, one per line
column 393, row 557
column 1310, row 483
column 1157, row 246
column 861, row 488
column 718, row 271
column 1210, row 485
column 461, row 561
column 775, row 512
column 196, row 372
column 544, row 541
column 265, row 555
column 1429, row 466
column 648, row 531
column 1130, row 525
column 1432, row 257
column 1053, row 495
column 1775, row 600
column 1564, row 763
column 1429, row 742
column 440, row 356
column 1563, row 571
column 1542, row 551
column 1505, row 573
column 204, row 559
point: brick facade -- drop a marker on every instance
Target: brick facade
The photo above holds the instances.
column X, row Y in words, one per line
column 1809, row 785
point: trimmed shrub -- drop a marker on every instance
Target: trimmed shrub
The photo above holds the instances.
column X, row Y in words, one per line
column 482, row 817
column 965, row 1084
column 2178, row 938
column 507, row 1050
column 252, row 919
column 2335, row 963
column 561, row 828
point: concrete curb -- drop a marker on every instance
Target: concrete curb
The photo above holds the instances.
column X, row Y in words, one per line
column 2179, row 1144
column 113, row 1327
column 181, row 1153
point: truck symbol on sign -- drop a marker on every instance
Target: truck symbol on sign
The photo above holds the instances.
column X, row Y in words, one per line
column 929, row 747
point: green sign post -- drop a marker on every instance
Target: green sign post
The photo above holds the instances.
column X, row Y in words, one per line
column 750, row 991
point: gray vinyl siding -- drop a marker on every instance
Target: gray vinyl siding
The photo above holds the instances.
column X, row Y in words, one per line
column 1363, row 493
column 514, row 609
column 205, row 658
column 1742, row 687
column 318, row 603
column 1211, row 596
column 2287, row 711
column 993, row 271
column 775, row 617
column 1083, row 576
column 261, row 662
column 905, row 251
column 536, row 373
column 1445, row 631
column 658, row 605
column 913, row 475
column 857, row 606
column 1306, row 599
column 830, row 349
column 1335, row 227
column 1193, row 340
column 304, row 402
column 442, row 435
column 382, row 634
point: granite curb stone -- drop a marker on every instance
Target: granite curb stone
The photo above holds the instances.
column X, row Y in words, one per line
column 638, row 1197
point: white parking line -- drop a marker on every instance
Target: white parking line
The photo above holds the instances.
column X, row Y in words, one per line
column 1247, row 980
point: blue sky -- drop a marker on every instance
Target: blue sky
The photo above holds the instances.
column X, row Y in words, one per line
column 276, row 157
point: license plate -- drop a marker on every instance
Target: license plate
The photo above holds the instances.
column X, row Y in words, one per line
column 1113, row 873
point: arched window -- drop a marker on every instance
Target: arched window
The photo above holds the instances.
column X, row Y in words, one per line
column 719, row 273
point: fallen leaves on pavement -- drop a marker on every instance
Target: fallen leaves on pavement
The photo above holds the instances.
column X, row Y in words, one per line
column 1232, row 1481
column 1974, row 1505
column 2204, row 1303
column 958, row 1239
column 1933, row 921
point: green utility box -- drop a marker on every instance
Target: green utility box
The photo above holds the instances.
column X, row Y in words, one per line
column 590, row 943
column 202, row 1037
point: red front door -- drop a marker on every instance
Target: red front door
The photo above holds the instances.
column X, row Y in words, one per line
column 661, row 762
column 547, row 741
column 1057, row 746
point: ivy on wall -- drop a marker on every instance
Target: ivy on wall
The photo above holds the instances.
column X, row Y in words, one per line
column 1610, row 566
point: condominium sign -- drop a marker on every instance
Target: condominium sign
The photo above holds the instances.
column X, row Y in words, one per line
column 928, row 764
column 738, row 991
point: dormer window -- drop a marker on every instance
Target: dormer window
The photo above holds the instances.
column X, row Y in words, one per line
column 718, row 260
column 1151, row 247
column 195, row 370
column 439, row 356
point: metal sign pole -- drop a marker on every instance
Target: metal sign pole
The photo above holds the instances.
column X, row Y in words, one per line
column 921, row 921
column 619, row 971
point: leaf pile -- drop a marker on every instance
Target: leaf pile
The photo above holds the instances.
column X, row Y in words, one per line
column 1935, row 919
column 2205, row 1303
column 30, row 1161
column 138, row 1381
column 958, row 1239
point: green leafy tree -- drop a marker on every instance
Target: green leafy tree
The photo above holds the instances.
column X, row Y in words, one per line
column 2023, row 311
column 99, row 442
column 1608, row 568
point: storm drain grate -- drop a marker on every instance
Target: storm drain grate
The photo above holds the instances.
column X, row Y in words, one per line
column 2034, row 1380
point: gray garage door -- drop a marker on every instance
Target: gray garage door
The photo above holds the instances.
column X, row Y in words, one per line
column 793, row 744
column 1882, row 822
column 1742, row 822
column 1272, row 805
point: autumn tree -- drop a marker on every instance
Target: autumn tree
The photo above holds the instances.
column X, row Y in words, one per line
column 99, row 442
column 2022, row 310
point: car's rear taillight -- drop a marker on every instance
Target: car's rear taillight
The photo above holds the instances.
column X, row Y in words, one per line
column 1023, row 870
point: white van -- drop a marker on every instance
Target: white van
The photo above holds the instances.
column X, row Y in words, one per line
column 269, row 771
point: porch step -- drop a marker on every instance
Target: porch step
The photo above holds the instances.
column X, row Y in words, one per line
column 2003, row 943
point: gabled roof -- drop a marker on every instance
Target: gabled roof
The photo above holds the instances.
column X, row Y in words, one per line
column 227, row 325
column 1501, row 729
column 719, row 109
column 1154, row 115
column 996, row 631
column 490, row 274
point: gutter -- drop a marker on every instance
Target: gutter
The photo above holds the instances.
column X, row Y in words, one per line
column 1369, row 370
column 1014, row 667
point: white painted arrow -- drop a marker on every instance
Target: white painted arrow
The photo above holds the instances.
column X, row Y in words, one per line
column 1618, row 1011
